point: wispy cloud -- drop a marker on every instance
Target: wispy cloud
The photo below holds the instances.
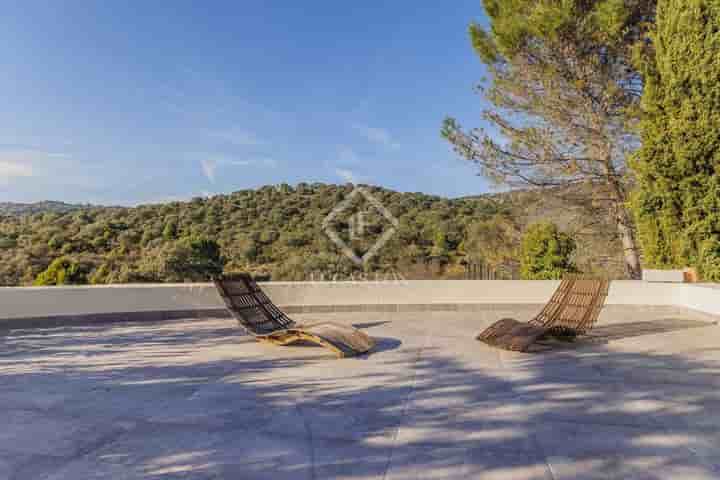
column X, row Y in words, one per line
column 24, row 162
column 347, row 175
column 236, row 136
column 378, row 136
column 254, row 162
column 57, row 167
column 346, row 164
column 9, row 169
column 210, row 165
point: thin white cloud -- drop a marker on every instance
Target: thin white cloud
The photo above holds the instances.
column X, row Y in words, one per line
column 21, row 164
column 237, row 136
column 254, row 162
column 210, row 165
column 346, row 164
column 347, row 175
column 378, row 136
column 10, row 170
column 47, row 166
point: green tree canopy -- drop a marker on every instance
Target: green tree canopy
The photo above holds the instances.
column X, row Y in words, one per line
column 562, row 90
column 677, row 202
column 546, row 253
column 171, row 229
column 192, row 258
column 493, row 241
column 62, row 271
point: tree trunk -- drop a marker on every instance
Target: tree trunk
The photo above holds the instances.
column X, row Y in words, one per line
column 630, row 247
column 625, row 227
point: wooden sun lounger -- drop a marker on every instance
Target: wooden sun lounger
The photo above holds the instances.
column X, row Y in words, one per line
column 572, row 311
column 257, row 314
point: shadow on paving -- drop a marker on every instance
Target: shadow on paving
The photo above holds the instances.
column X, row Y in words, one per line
column 165, row 402
column 619, row 331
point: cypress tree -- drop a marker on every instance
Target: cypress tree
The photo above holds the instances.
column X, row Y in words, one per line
column 677, row 200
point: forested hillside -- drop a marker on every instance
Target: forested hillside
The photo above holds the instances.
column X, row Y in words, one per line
column 8, row 208
column 278, row 231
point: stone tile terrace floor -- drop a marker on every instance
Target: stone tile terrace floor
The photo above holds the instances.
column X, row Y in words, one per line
column 199, row 400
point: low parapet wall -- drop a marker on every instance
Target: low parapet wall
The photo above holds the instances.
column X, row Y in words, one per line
column 32, row 305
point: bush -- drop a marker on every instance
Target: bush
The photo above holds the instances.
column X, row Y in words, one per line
column 546, row 253
column 709, row 262
column 100, row 275
column 6, row 243
column 56, row 242
column 170, row 231
column 193, row 258
column 63, row 271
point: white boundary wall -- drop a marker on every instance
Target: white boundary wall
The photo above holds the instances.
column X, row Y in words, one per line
column 38, row 302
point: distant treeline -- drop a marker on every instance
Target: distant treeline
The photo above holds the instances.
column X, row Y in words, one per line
column 276, row 231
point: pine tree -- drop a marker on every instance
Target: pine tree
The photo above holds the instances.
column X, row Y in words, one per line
column 677, row 202
column 562, row 90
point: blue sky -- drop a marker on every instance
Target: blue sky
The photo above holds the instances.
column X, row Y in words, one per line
column 136, row 102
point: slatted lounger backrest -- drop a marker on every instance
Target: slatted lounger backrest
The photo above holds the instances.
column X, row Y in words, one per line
column 250, row 306
column 598, row 291
column 575, row 305
column 553, row 308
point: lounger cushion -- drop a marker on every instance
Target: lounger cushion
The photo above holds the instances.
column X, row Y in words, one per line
column 345, row 341
column 511, row 334
column 350, row 341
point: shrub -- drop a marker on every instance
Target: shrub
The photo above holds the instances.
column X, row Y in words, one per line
column 6, row 243
column 546, row 253
column 100, row 275
column 56, row 242
column 709, row 262
column 63, row 271
column 191, row 258
column 170, row 231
